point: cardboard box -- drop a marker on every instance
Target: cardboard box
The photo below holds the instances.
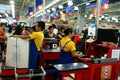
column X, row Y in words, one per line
column 17, row 54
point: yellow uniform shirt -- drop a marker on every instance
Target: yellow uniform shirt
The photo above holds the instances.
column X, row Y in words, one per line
column 70, row 46
column 38, row 39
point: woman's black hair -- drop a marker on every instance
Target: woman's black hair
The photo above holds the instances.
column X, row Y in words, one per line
column 10, row 29
column 67, row 31
column 50, row 27
column 18, row 30
column 62, row 28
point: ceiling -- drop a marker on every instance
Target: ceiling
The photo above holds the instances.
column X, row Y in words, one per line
column 18, row 4
column 21, row 6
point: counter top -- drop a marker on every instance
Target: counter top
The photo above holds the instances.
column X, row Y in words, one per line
column 71, row 66
column 51, row 50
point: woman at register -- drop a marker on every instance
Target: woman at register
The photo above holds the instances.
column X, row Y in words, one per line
column 50, row 33
column 68, row 49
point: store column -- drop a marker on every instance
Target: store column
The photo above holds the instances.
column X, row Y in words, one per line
column 81, row 18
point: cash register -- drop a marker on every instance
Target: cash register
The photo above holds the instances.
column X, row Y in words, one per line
column 50, row 43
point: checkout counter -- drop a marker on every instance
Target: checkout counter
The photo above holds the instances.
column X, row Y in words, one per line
column 49, row 52
column 73, row 71
column 49, row 57
column 97, row 68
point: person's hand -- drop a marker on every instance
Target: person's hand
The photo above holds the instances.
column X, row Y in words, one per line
column 80, row 54
column 15, row 36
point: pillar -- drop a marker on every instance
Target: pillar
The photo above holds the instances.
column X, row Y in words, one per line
column 81, row 18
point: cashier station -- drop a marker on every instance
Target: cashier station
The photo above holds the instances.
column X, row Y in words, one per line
column 85, row 67
column 103, row 65
column 49, row 57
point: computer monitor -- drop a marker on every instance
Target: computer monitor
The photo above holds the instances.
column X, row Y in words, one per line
column 107, row 35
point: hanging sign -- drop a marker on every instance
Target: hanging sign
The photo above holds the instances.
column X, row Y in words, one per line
column 91, row 29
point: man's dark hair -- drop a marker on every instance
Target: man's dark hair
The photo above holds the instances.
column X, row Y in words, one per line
column 33, row 28
column 41, row 24
column 67, row 31
column 2, row 24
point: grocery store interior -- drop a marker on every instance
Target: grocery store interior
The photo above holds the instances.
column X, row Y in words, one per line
column 59, row 39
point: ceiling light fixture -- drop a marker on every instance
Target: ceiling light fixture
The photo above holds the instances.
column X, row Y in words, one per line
column 60, row 6
column 53, row 9
column 48, row 11
column 70, row 3
column 11, row 2
column 76, row 8
column 87, row 4
column 85, row 16
column 48, row 6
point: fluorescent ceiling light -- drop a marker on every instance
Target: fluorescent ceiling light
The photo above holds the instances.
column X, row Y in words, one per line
column 100, row 19
column 87, row 4
column 116, row 21
column 91, row 15
column 11, row 2
column 48, row 11
column 70, row 3
column 14, row 21
column 48, row 6
column 41, row 13
column 53, row 9
column 51, row 4
column 45, row 12
column 76, row 8
column 85, row 16
column 4, row 20
column 103, row 16
column 108, row 20
column 60, row 6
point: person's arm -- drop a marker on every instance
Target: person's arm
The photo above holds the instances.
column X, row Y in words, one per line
column 22, row 36
column 73, row 51
column 2, row 37
column 59, row 36
column 74, row 54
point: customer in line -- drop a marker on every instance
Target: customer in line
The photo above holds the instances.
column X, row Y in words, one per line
column 2, row 38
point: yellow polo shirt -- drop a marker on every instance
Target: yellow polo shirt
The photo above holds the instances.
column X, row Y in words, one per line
column 38, row 39
column 69, row 47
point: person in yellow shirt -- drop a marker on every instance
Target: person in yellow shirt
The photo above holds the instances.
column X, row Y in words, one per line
column 36, row 44
column 68, row 49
